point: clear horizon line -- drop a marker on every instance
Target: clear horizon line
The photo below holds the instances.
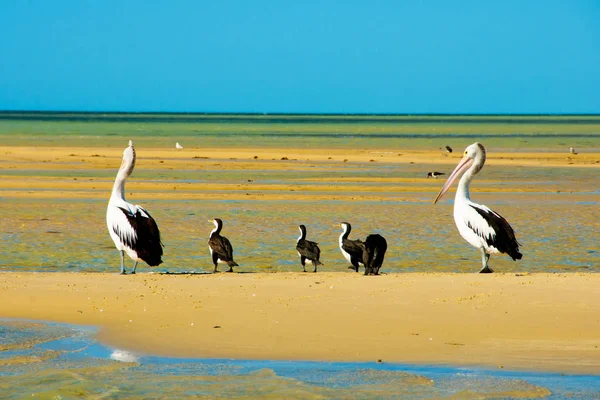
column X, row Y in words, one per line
column 9, row 111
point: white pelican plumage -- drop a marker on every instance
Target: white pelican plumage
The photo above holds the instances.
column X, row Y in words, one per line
column 476, row 223
column 131, row 227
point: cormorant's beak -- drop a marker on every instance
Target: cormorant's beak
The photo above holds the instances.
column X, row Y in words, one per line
column 462, row 166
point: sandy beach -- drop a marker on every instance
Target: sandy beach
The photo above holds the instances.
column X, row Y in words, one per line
column 540, row 321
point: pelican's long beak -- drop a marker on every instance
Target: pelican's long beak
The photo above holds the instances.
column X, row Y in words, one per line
column 462, row 166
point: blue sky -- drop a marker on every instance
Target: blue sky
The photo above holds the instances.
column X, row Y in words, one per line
column 301, row 56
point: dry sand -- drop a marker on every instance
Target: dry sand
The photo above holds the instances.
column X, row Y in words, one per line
column 516, row 321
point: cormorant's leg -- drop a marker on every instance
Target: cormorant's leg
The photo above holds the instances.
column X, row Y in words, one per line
column 484, row 261
column 315, row 264
column 134, row 267
column 215, row 271
column 122, row 253
column 230, row 269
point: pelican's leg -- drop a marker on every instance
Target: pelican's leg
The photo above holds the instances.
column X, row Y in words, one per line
column 485, row 257
column 134, row 266
column 122, row 253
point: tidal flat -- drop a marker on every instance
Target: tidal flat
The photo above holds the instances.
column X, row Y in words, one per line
column 263, row 176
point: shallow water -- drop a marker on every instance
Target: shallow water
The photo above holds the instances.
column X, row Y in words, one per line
column 71, row 235
column 52, row 361
column 554, row 210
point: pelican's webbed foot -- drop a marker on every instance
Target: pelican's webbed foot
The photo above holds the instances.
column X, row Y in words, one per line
column 485, row 257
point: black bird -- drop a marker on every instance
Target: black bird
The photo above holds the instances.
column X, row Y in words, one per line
column 220, row 247
column 434, row 174
column 375, row 248
column 351, row 249
column 307, row 250
column 449, row 149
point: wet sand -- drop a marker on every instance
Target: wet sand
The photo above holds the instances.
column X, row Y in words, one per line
column 546, row 322
column 48, row 171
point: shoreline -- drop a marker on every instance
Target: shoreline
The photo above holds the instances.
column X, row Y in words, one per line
column 536, row 322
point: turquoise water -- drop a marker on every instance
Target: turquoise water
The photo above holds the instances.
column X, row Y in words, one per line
column 336, row 131
column 55, row 361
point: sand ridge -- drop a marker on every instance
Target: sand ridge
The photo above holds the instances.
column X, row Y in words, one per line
column 72, row 172
column 515, row 321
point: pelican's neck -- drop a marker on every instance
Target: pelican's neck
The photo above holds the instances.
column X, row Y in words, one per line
column 118, row 190
column 462, row 192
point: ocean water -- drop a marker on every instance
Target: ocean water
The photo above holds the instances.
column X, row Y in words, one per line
column 536, row 132
column 54, row 361
column 554, row 210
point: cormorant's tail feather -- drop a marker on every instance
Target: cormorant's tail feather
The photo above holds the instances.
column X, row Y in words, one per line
column 232, row 263
column 154, row 262
column 515, row 255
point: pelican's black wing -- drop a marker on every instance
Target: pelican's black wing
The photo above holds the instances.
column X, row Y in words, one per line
column 146, row 242
column 496, row 232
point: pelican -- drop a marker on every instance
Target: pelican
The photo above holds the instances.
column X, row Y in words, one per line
column 131, row 227
column 220, row 247
column 476, row 223
column 307, row 250
column 178, row 146
column 351, row 249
